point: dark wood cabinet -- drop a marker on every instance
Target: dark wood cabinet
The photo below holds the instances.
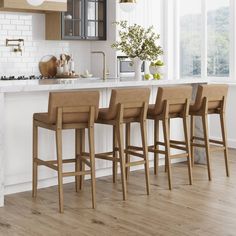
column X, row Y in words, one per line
column 83, row 20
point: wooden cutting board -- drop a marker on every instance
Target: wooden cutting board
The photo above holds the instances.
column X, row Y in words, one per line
column 48, row 66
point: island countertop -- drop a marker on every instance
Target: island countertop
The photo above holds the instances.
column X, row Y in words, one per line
column 92, row 83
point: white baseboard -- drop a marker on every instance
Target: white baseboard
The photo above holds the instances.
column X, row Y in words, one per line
column 22, row 187
column 231, row 142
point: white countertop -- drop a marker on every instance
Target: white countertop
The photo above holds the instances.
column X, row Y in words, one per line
column 92, row 83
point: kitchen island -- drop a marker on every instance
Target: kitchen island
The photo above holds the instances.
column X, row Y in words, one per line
column 20, row 99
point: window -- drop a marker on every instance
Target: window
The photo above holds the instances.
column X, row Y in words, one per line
column 190, row 38
column 218, row 17
column 193, row 41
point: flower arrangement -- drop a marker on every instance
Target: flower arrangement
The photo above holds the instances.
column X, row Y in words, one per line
column 138, row 42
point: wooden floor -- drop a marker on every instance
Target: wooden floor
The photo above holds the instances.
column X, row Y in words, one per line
column 206, row 208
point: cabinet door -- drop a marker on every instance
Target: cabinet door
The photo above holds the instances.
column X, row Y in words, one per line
column 72, row 20
column 95, row 19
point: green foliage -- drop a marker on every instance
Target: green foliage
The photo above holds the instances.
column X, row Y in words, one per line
column 136, row 41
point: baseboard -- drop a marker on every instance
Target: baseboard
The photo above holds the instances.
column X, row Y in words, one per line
column 45, row 183
column 231, row 142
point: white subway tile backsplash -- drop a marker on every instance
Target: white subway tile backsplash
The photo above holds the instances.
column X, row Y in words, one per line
column 15, row 26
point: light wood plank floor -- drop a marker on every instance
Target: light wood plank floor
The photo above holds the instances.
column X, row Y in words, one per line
column 206, row 208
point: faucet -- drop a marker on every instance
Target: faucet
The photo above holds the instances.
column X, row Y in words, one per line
column 105, row 73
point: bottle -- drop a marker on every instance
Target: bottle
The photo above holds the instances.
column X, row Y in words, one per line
column 72, row 65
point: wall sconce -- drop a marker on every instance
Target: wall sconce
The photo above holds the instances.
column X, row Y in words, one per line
column 16, row 44
column 127, row 5
column 35, row 2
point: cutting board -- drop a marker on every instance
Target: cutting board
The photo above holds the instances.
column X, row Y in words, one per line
column 48, row 66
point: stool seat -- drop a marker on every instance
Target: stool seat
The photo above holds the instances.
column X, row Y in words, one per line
column 42, row 117
column 151, row 110
column 104, row 114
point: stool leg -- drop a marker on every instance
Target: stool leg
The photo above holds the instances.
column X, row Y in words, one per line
column 145, row 153
column 120, row 138
column 92, row 163
column 59, row 164
column 207, row 144
column 187, row 141
column 77, row 161
column 167, row 150
column 169, row 139
column 35, row 156
column 224, row 137
column 127, row 143
column 156, row 146
column 114, row 163
column 81, row 163
column 192, row 133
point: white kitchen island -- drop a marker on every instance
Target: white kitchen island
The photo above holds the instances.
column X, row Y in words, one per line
column 20, row 99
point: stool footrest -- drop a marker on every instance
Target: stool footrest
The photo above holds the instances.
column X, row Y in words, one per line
column 133, row 153
column 152, row 149
column 50, row 164
column 135, row 148
column 210, row 140
column 84, row 159
column 135, row 163
column 107, row 156
column 181, row 155
column 68, row 174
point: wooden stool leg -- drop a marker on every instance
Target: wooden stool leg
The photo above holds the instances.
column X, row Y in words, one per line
column 120, row 138
column 156, row 146
column 77, row 161
column 81, row 163
column 145, row 153
column 187, row 141
column 35, row 156
column 167, row 150
column 225, row 143
column 192, row 133
column 207, row 144
column 127, row 144
column 59, row 164
column 92, row 163
column 114, row 163
column 166, row 161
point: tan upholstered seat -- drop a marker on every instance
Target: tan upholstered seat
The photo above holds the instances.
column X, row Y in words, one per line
column 76, row 110
column 210, row 99
column 126, row 106
column 171, row 102
column 124, row 96
column 214, row 94
column 71, row 99
column 176, row 96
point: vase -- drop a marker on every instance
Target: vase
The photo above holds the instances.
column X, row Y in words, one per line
column 137, row 68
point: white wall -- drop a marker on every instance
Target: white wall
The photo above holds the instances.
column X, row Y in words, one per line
column 31, row 27
column 215, row 131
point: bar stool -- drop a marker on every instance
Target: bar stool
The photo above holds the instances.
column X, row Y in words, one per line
column 210, row 99
column 126, row 106
column 68, row 110
column 171, row 103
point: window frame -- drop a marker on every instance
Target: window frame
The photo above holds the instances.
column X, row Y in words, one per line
column 175, row 26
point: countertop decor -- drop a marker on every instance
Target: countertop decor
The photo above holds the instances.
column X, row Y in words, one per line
column 139, row 44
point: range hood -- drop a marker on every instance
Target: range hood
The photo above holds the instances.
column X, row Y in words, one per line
column 23, row 5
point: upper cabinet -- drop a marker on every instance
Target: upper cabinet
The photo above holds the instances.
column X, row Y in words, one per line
column 83, row 20
column 23, row 5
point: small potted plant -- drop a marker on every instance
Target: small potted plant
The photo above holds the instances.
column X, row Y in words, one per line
column 139, row 44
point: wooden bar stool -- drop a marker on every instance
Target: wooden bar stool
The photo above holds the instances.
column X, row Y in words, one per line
column 171, row 102
column 210, row 99
column 126, row 106
column 68, row 110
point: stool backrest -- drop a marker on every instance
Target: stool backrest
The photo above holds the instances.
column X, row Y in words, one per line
column 128, row 97
column 78, row 99
column 214, row 93
column 176, row 97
